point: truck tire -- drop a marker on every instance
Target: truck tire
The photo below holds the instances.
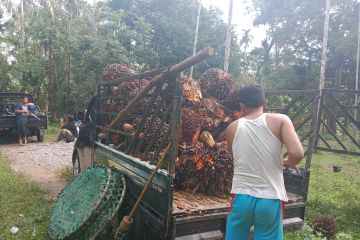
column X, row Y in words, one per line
column 76, row 165
column 40, row 136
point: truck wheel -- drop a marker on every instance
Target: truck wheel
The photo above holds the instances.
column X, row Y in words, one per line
column 76, row 165
column 39, row 136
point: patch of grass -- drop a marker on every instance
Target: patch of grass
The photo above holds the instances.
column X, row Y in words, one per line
column 52, row 132
column 66, row 173
column 22, row 204
column 335, row 194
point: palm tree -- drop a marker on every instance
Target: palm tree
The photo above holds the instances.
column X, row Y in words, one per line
column 245, row 41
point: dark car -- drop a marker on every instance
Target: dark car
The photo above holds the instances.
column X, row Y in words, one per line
column 37, row 122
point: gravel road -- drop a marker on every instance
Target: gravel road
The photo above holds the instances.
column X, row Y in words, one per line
column 41, row 162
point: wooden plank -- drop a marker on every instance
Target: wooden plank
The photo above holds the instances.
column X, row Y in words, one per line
column 163, row 120
column 344, row 91
column 342, row 127
column 133, row 77
column 114, row 131
column 306, row 136
column 302, row 108
column 311, row 141
column 289, row 92
column 175, row 125
column 338, row 151
column 324, row 141
column 319, row 113
column 351, row 118
column 154, row 116
column 334, row 135
column 304, row 122
column 144, row 117
column 351, row 107
column 292, row 103
column 161, row 147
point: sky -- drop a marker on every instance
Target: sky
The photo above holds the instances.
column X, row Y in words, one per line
column 241, row 18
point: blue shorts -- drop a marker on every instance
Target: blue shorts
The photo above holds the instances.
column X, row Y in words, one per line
column 264, row 214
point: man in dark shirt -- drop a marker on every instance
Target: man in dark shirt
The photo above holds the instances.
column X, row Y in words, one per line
column 69, row 131
column 22, row 112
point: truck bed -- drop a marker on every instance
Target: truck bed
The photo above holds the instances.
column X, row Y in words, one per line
column 186, row 203
column 198, row 216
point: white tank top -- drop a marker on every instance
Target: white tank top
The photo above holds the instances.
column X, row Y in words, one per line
column 258, row 168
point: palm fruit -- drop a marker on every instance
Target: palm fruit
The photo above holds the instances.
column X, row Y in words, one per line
column 188, row 166
column 116, row 71
column 232, row 100
column 213, row 108
column 191, row 121
column 208, row 170
column 325, row 225
column 132, row 87
column 216, row 83
column 217, row 175
column 191, row 92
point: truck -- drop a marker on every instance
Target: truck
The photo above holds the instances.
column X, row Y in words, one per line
column 37, row 123
column 165, row 212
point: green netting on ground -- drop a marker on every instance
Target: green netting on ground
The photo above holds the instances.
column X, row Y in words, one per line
column 87, row 204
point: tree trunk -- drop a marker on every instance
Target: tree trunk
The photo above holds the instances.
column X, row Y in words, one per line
column 228, row 38
column 50, row 77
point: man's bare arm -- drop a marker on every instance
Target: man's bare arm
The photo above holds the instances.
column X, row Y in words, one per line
column 230, row 134
column 292, row 143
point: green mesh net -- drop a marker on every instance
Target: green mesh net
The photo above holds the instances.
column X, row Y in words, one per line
column 87, row 204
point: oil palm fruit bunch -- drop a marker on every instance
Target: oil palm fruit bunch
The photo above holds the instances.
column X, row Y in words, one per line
column 217, row 175
column 191, row 92
column 152, row 126
column 191, row 123
column 116, row 71
column 204, row 169
column 132, row 87
column 325, row 225
column 188, row 166
column 216, row 83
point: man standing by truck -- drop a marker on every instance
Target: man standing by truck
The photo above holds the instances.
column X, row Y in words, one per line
column 21, row 111
column 258, row 188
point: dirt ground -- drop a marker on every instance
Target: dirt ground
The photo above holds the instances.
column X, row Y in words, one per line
column 41, row 162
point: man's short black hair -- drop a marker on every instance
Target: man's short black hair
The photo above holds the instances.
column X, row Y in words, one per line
column 252, row 96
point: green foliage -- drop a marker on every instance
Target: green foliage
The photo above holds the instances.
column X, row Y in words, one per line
column 23, row 205
column 290, row 56
column 306, row 233
column 335, row 194
column 52, row 132
column 67, row 173
column 171, row 39
column 60, row 47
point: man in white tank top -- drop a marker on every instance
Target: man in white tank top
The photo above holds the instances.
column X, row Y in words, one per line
column 258, row 188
